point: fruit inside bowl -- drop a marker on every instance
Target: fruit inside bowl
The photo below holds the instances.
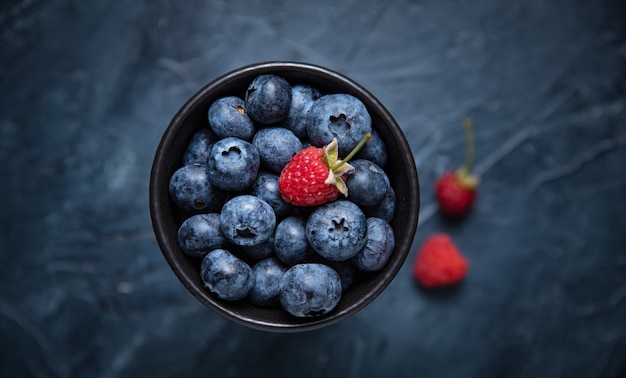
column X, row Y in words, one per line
column 284, row 196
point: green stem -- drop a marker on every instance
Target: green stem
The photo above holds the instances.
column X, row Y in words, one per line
column 469, row 158
column 356, row 149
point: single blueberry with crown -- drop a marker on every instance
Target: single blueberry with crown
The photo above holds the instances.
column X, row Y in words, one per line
column 337, row 230
column 247, row 220
column 338, row 116
column 233, row 164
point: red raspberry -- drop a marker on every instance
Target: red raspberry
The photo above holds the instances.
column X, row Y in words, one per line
column 303, row 181
column 456, row 191
column 439, row 262
column 315, row 176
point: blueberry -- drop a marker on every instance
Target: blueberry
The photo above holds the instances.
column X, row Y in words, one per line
column 346, row 271
column 340, row 116
column 379, row 247
column 267, row 276
column 368, row 184
column 265, row 186
column 257, row 252
column 276, row 146
column 247, row 220
column 385, row 209
column 375, row 150
column 197, row 151
column 191, row 190
column 302, row 97
column 233, row 164
column 228, row 118
column 226, row 275
column 200, row 234
column 311, row 289
column 290, row 244
column 337, row 230
column 268, row 99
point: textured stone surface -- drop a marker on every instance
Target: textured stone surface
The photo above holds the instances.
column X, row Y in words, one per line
column 88, row 87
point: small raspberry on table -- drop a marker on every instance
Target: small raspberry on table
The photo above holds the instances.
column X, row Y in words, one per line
column 439, row 263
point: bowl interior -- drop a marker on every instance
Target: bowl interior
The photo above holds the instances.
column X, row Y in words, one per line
column 166, row 218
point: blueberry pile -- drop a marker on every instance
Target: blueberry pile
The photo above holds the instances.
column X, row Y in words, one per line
column 252, row 245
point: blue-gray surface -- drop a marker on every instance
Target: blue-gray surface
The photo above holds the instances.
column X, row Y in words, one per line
column 88, row 88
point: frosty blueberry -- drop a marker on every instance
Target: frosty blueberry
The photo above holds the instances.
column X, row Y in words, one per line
column 267, row 276
column 233, row 164
column 247, row 220
column 346, row 271
column 310, row 289
column 302, row 97
column 337, row 230
column 257, row 252
column 367, row 183
column 266, row 188
column 200, row 234
column 191, row 190
column 268, row 99
column 385, row 209
column 290, row 244
column 199, row 146
column 379, row 247
column 340, row 116
column 226, row 275
column 276, row 146
column 375, row 150
column 228, row 118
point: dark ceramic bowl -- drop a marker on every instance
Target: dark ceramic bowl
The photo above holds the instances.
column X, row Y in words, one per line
column 166, row 218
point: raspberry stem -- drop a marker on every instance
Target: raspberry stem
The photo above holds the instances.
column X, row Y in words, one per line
column 354, row 151
column 469, row 157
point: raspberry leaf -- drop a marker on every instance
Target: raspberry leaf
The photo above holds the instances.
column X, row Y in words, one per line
column 339, row 168
column 336, row 168
column 331, row 153
column 336, row 178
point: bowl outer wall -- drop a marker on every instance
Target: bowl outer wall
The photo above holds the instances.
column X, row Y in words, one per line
column 166, row 218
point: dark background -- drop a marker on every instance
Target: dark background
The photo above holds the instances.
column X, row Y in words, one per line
column 88, row 88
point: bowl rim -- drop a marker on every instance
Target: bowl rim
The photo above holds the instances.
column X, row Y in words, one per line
column 159, row 195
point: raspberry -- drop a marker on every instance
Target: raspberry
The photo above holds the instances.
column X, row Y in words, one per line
column 439, row 263
column 454, row 195
column 302, row 181
column 315, row 176
column 456, row 191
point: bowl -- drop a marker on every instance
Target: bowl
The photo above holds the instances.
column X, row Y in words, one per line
column 166, row 218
